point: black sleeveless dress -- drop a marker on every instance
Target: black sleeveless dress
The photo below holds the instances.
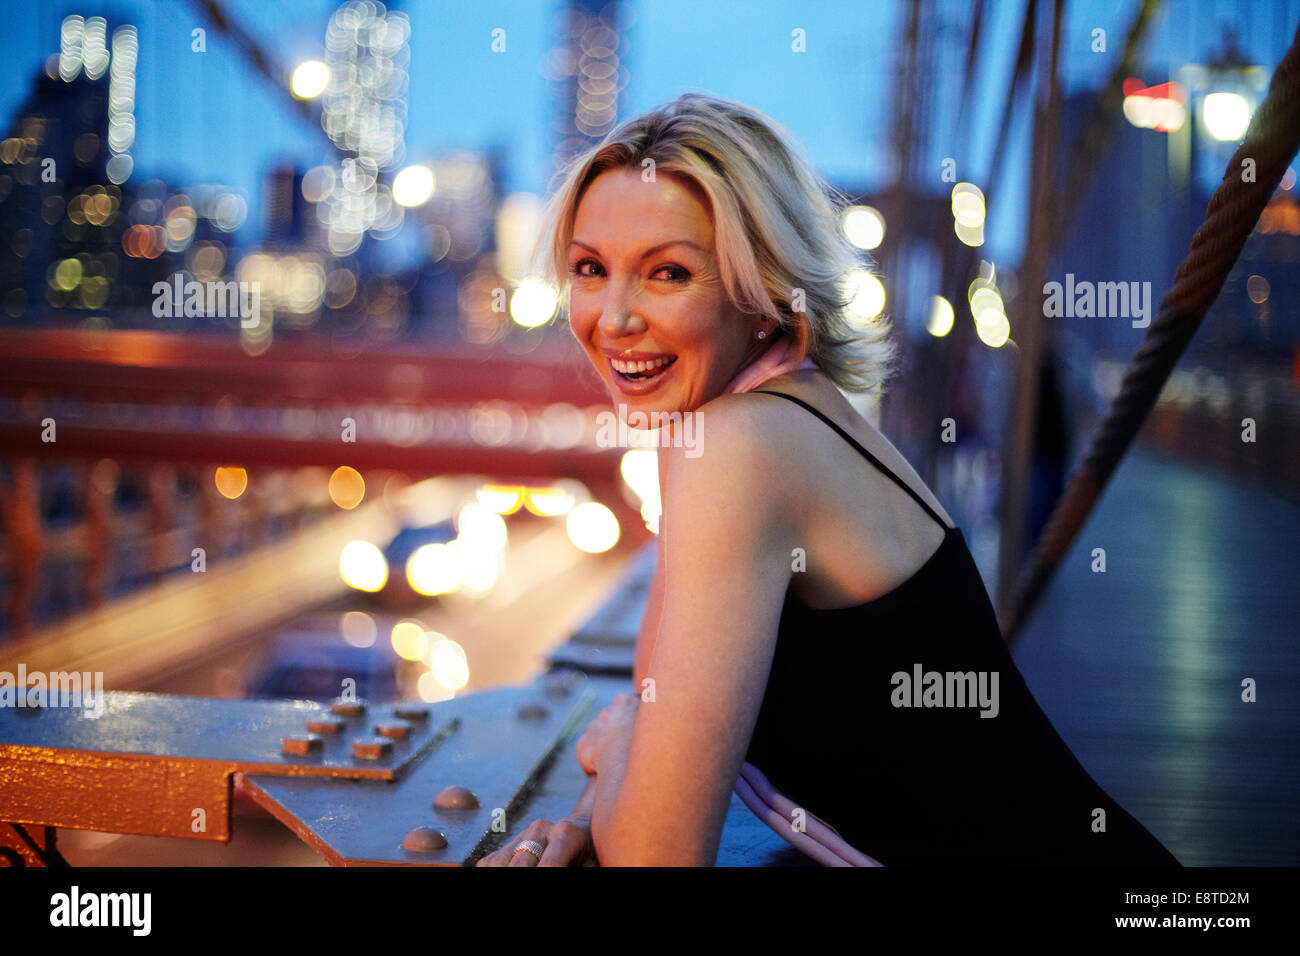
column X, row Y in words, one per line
column 845, row 737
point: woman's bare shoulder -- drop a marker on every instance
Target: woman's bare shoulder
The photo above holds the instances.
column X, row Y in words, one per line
column 738, row 451
column 810, row 445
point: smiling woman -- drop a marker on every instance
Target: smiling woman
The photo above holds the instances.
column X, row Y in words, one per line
column 705, row 207
column 796, row 591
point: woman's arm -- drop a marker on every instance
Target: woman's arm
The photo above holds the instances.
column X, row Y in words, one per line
column 664, row 782
column 645, row 639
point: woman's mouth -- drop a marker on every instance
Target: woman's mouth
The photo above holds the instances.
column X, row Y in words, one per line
column 641, row 372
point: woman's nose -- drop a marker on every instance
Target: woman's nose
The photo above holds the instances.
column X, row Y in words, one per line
column 620, row 315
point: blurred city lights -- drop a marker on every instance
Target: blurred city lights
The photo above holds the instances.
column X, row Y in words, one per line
column 434, row 569
column 478, row 567
column 592, row 527
column 940, row 320
column 430, row 690
column 121, row 103
column 518, row 220
column 993, row 329
column 358, row 629
column 362, row 566
column 968, row 213
column 347, row 488
column 968, row 205
column 231, row 481
column 413, row 186
column 71, row 36
column 317, row 183
column 640, row 469
column 502, row 499
column 480, row 529
column 310, row 79
column 987, row 308
column 67, row 274
column 447, row 662
column 533, row 303
column 970, row 235
column 1161, row 107
column 409, row 640
column 866, row 296
column 1226, row 116
column 548, row 502
column 985, row 299
column 363, row 110
column 230, row 212
column 94, row 47
column 864, row 226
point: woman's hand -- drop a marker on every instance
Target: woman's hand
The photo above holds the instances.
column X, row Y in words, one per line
column 612, row 726
column 566, row 842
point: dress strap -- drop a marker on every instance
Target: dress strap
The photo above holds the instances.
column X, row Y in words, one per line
column 870, row 457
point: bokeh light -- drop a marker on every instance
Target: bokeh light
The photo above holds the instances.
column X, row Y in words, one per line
column 1226, row 116
column 864, row 226
column 231, row 481
column 362, row 566
column 592, row 527
column 939, row 322
column 413, row 186
column 533, row 303
column 347, row 488
column 310, row 79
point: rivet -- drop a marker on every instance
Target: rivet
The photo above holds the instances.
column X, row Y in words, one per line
column 348, row 708
column 424, row 840
column 396, row 729
column 325, row 725
column 456, row 798
column 411, row 713
column 532, row 712
column 371, row 748
column 301, row 744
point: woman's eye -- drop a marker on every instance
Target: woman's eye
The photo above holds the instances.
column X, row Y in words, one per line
column 679, row 274
column 576, row 269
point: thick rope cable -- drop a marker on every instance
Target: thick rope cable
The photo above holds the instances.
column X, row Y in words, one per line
column 1271, row 142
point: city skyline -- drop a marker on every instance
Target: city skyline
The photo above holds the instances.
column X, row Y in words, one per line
column 237, row 128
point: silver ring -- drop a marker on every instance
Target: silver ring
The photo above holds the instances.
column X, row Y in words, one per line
column 529, row 846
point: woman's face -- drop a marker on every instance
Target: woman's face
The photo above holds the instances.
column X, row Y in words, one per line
column 646, row 289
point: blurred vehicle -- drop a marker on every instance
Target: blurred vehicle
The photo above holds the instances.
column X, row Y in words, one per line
column 398, row 589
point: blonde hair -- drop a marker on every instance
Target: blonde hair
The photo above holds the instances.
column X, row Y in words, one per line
column 776, row 224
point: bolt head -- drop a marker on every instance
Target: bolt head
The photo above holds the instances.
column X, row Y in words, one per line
column 456, row 798
column 301, row 744
column 348, row 708
column 371, row 748
column 424, row 840
column 394, row 729
column 325, row 725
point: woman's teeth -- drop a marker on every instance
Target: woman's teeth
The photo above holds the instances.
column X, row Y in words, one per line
column 646, row 369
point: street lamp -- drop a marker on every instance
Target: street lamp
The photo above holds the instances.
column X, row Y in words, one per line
column 1223, row 97
column 309, row 79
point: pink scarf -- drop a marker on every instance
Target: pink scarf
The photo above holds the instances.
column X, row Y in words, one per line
column 786, row 354
column 817, row 839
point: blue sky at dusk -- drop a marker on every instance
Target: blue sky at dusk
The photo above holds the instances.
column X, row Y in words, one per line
column 210, row 118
